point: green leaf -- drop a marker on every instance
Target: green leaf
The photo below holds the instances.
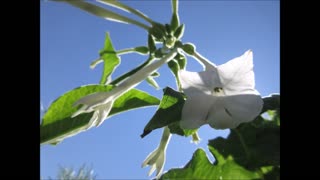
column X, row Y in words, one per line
column 151, row 44
column 251, row 151
column 110, row 58
column 271, row 102
column 169, row 111
column 199, row 167
column 142, row 50
column 176, row 129
column 179, row 32
column 158, row 31
column 189, row 48
column 152, row 82
column 57, row 123
column 252, row 145
column 168, row 29
column 155, row 74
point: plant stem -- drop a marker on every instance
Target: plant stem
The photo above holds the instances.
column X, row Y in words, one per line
column 104, row 13
column 205, row 62
column 166, row 136
column 126, row 8
column 124, row 76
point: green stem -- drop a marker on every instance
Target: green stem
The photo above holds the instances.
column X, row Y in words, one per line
column 202, row 60
column 126, row 8
column 125, row 51
column 104, row 13
column 95, row 63
column 174, row 6
column 124, row 76
column 166, row 135
column 143, row 73
column 245, row 148
column 195, row 138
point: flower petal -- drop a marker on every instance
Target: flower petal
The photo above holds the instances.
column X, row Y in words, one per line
column 151, row 158
column 152, row 169
column 195, row 110
column 160, row 163
column 230, row 111
column 237, row 75
column 204, row 81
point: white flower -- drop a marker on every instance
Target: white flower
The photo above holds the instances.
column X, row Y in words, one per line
column 222, row 96
column 157, row 158
column 101, row 103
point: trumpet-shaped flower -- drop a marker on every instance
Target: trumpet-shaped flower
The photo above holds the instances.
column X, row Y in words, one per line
column 157, row 158
column 222, row 96
column 101, row 103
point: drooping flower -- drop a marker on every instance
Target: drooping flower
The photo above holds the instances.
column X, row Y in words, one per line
column 222, row 96
column 157, row 158
column 102, row 102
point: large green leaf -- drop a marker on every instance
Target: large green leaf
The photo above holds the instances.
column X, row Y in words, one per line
column 57, row 123
column 200, row 168
column 168, row 114
column 252, row 145
column 251, row 151
column 110, row 58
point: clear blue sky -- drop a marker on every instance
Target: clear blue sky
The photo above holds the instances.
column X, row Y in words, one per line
column 71, row 39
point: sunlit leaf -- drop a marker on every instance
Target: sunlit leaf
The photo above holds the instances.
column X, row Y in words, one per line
column 199, row 167
column 110, row 58
column 169, row 111
column 57, row 123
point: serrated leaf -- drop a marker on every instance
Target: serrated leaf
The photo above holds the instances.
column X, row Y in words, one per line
column 110, row 59
column 199, row 167
column 169, row 111
column 57, row 123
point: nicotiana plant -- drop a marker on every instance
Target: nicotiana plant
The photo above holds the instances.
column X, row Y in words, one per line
column 223, row 96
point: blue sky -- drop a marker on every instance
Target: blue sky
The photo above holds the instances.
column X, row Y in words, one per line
column 71, row 39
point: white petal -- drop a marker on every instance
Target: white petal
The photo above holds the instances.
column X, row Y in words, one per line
column 230, row 111
column 160, row 164
column 195, row 110
column 237, row 75
column 204, row 81
column 151, row 158
column 218, row 116
column 152, row 169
